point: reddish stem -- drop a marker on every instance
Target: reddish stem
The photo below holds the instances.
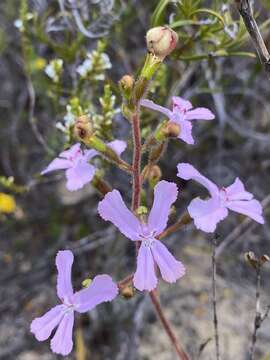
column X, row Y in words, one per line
column 177, row 346
column 136, row 165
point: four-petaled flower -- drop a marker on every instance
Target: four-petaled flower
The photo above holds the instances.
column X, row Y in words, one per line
column 182, row 112
column 75, row 161
column 101, row 289
column 208, row 213
column 152, row 252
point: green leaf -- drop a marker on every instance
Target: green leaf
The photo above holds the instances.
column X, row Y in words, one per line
column 209, row 12
column 157, row 18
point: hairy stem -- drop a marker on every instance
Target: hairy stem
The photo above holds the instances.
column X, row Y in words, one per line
column 214, row 298
column 167, row 326
column 136, row 165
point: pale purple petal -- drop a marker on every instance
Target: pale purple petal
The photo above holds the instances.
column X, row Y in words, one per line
column 57, row 164
column 64, row 261
column 119, row 146
column 181, row 103
column 170, row 269
column 251, row 208
column 186, row 132
column 72, row 152
column 207, row 213
column 188, row 172
column 199, row 114
column 237, row 191
column 165, row 194
column 113, row 208
column 101, row 289
column 43, row 326
column 145, row 277
column 79, row 175
column 89, row 154
column 62, row 342
column 151, row 105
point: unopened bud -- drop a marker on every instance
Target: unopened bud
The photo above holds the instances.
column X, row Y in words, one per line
column 172, row 129
column 83, row 128
column 161, row 41
column 252, row 259
column 126, row 84
column 154, row 173
column 264, row 258
column 127, row 292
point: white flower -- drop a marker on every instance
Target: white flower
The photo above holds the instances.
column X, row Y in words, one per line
column 54, row 69
column 85, row 67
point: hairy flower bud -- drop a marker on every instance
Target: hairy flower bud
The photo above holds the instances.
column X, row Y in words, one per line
column 126, row 84
column 161, row 41
column 172, row 129
column 83, row 128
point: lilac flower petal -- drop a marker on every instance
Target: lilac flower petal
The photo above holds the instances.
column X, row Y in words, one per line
column 170, row 268
column 199, row 114
column 151, row 105
column 64, row 261
column 207, row 213
column 187, row 172
column 71, row 152
column 145, row 277
column 43, row 326
column 181, row 103
column 186, row 132
column 101, row 289
column 165, row 194
column 89, row 154
column 62, row 342
column 237, row 191
column 79, row 175
column 113, row 208
column 57, row 164
column 119, row 146
column 251, row 208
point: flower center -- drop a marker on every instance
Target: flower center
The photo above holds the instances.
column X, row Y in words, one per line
column 223, row 195
column 75, row 156
column 147, row 237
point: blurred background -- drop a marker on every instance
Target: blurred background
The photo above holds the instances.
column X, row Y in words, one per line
column 60, row 59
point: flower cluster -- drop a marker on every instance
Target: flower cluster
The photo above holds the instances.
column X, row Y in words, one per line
column 153, row 254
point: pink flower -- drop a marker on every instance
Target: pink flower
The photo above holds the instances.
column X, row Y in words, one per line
column 152, row 252
column 101, row 289
column 182, row 113
column 75, row 161
column 208, row 213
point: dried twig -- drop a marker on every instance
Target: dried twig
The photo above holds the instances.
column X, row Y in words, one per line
column 214, row 297
column 245, row 11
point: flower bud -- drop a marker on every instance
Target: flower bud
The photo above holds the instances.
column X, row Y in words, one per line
column 127, row 292
column 83, row 128
column 126, row 84
column 172, row 129
column 161, row 41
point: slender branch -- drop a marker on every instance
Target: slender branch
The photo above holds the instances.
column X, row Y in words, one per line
column 214, row 297
column 136, row 165
column 125, row 281
column 32, row 102
column 184, row 220
column 101, row 185
column 258, row 317
column 177, row 346
column 245, row 11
